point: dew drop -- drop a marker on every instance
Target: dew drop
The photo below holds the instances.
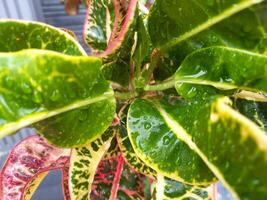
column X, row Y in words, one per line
column 147, row 125
column 83, row 116
column 37, row 97
column 26, row 88
column 55, row 95
column 166, row 140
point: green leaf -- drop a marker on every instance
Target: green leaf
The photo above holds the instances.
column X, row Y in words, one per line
column 161, row 149
column 227, row 142
column 255, row 111
column 130, row 156
column 17, row 35
column 175, row 30
column 174, row 21
column 83, row 165
column 168, row 189
column 223, row 68
column 65, row 98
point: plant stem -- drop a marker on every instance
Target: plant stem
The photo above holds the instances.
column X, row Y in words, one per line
column 167, row 84
column 125, row 95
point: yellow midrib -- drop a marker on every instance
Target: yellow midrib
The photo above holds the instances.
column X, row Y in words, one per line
column 33, row 118
column 181, row 133
column 212, row 21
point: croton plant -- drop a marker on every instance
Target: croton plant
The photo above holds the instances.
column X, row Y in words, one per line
column 171, row 100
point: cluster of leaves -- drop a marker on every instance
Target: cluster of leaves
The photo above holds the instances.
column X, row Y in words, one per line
column 172, row 99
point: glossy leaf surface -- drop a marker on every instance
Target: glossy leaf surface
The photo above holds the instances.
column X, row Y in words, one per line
column 182, row 33
column 256, row 111
column 130, row 156
column 27, row 165
column 167, row 189
column 223, row 68
column 161, row 149
column 17, row 35
column 83, row 165
column 227, row 142
column 68, row 93
column 176, row 22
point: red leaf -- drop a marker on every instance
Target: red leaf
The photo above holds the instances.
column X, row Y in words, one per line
column 28, row 159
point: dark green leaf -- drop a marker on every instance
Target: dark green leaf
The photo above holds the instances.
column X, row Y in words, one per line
column 232, row 146
column 130, row 156
column 161, row 149
column 169, row 189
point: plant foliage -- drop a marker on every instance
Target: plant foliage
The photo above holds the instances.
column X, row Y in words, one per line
column 171, row 100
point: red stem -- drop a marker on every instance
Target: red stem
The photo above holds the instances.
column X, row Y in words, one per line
column 116, row 182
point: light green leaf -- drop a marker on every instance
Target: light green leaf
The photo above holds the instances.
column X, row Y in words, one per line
column 65, row 98
column 161, row 148
column 17, row 35
column 223, row 68
column 83, row 165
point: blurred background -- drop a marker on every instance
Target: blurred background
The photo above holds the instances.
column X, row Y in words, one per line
column 53, row 13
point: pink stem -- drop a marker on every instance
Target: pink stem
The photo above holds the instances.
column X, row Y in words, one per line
column 116, row 182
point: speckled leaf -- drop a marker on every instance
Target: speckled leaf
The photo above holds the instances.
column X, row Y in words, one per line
column 223, row 68
column 161, row 149
column 168, row 189
column 227, row 142
column 18, row 35
column 83, row 165
column 98, row 24
column 33, row 185
column 68, row 93
column 110, row 33
column 175, row 28
column 27, row 165
column 115, row 180
column 129, row 155
column 107, row 23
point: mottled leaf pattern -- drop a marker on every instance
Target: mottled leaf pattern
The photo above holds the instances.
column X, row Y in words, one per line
column 29, row 159
column 83, row 165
